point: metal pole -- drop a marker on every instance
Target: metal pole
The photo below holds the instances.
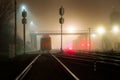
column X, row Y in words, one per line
column 24, row 21
column 61, row 38
column 61, row 21
column 89, row 39
column 24, row 37
column 15, row 28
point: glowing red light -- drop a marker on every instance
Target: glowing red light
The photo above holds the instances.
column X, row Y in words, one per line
column 82, row 44
column 69, row 48
column 88, row 44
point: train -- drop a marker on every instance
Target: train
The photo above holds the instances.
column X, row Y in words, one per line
column 45, row 43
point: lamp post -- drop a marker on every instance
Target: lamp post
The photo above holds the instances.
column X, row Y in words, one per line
column 24, row 21
column 15, row 28
column 101, row 31
column 89, row 39
column 61, row 21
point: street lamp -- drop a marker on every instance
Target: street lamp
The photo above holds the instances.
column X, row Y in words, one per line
column 23, row 7
column 15, row 28
column 101, row 31
column 61, row 21
column 71, row 29
column 31, row 23
column 93, row 35
column 115, row 29
column 24, row 21
column 89, row 39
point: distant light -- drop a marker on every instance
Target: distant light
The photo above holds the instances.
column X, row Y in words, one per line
column 115, row 29
column 88, row 44
column 69, row 45
column 31, row 23
column 82, row 45
column 101, row 30
column 23, row 7
column 69, row 48
column 70, row 29
column 93, row 35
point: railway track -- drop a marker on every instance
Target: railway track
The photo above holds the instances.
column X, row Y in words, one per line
column 98, row 58
column 95, row 67
column 71, row 67
column 45, row 67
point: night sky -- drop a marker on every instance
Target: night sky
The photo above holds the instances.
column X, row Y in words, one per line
column 78, row 13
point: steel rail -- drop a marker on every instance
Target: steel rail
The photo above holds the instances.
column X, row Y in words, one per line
column 77, row 58
column 25, row 71
column 67, row 69
column 98, row 59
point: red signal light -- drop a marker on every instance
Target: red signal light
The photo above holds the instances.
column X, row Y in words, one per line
column 69, row 48
column 85, row 46
column 82, row 45
column 88, row 44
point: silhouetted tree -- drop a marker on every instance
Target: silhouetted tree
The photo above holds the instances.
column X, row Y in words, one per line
column 7, row 28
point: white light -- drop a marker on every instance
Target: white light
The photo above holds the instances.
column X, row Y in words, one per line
column 93, row 35
column 31, row 23
column 115, row 29
column 23, row 7
column 101, row 30
column 71, row 29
